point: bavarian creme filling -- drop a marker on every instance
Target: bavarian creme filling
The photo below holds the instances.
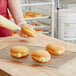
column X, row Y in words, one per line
column 43, row 59
column 18, row 54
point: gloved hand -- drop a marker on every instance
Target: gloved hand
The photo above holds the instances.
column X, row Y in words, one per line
column 20, row 32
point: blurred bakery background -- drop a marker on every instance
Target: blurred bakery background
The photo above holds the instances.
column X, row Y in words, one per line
column 56, row 18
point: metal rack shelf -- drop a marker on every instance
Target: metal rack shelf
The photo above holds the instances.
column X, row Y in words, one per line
column 51, row 3
column 36, row 18
column 41, row 27
column 37, row 4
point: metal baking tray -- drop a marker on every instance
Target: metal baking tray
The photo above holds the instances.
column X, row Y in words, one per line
column 55, row 62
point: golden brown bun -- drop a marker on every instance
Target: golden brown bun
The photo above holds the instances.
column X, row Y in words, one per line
column 39, row 30
column 30, row 13
column 33, row 14
column 41, row 56
column 55, row 49
column 38, row 15
column 26, row 16
column 29, row 31
column 19, row 51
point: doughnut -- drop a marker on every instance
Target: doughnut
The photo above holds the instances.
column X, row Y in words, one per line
column 29, row 31
column 41, row 56
column 55, row 49
column 19, row 51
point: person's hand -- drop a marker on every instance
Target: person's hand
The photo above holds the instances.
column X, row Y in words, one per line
column 22, row 34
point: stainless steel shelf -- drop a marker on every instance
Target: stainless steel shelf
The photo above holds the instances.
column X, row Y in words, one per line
column 36, row 4
column 36, row 18
column 41, row 27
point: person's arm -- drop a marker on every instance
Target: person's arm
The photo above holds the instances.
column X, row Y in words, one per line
column 16, row 11
column 14, row 7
